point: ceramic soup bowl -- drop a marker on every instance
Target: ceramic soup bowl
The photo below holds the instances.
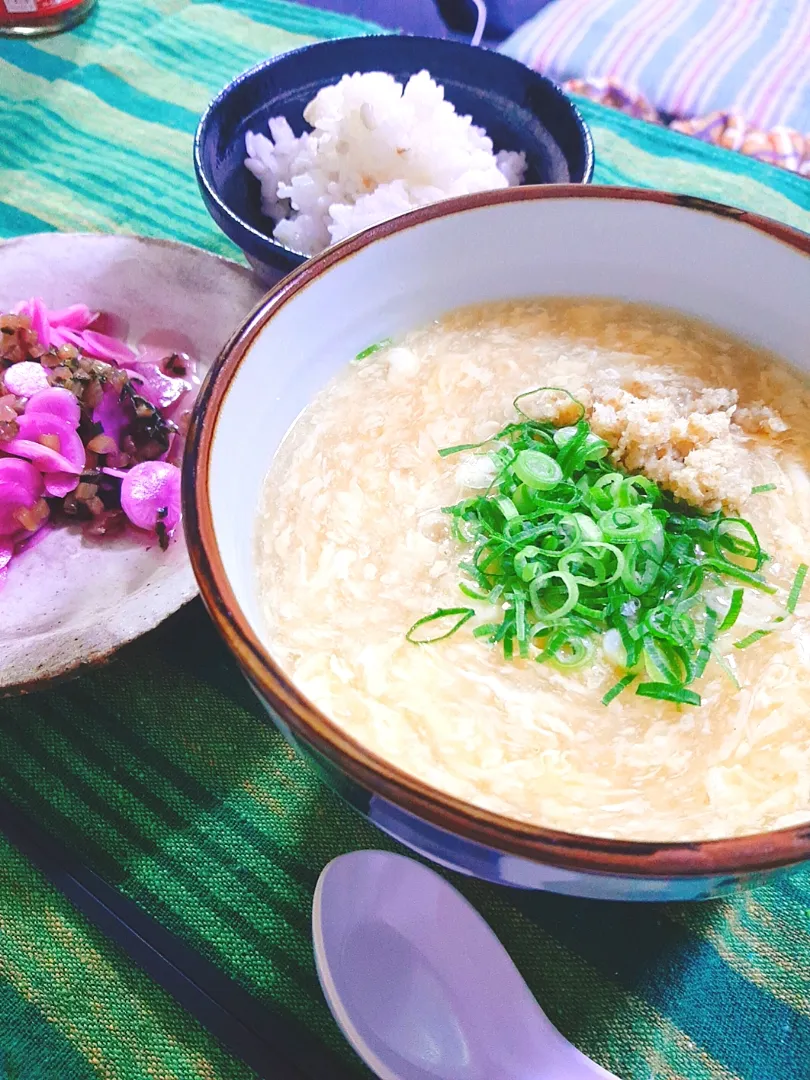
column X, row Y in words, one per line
column 742, row 273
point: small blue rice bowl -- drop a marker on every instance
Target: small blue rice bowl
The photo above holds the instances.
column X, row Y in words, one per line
column 519, row 109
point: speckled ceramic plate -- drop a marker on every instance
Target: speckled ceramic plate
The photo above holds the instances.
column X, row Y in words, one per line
column 68, row 601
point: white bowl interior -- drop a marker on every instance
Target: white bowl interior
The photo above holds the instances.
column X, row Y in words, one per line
column 705, row 265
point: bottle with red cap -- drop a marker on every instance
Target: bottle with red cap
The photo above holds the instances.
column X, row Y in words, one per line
column 31, row 17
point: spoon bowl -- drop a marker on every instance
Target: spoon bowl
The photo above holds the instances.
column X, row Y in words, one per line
column 420, row 985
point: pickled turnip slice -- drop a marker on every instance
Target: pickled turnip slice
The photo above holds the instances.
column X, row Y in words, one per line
column 34, row 426
column 15, row 471
column 150, row 495
column 75, row 317
column 55, row 401
column 55, row 328
column 59, row 484
column 111, row 414
column 104, row 347
column 26, row 378
column 45, row 459
column 20, row 487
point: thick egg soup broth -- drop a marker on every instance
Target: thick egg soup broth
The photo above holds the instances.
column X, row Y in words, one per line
column 355, row 546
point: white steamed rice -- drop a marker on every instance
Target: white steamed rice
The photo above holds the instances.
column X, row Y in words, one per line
column 376, row 150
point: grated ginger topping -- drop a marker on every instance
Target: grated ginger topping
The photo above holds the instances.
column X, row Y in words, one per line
column 691, row 439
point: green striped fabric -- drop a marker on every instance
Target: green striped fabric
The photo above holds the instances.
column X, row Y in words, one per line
column 160, row 770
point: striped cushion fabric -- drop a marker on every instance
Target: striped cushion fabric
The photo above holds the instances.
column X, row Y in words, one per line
column 687, row 57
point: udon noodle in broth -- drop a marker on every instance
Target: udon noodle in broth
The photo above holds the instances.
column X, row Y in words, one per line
column 353, row 547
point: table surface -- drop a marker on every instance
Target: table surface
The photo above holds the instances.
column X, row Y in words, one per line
column 160, row 776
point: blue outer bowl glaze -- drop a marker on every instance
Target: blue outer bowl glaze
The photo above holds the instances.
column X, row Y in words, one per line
column 519, row 109
column 468, row 857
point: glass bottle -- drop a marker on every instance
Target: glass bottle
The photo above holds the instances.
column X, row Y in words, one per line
column 28, row 18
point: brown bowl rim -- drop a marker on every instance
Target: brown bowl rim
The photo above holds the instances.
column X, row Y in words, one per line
column 730, row 856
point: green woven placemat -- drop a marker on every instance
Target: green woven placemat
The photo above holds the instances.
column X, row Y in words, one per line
column 160, row 769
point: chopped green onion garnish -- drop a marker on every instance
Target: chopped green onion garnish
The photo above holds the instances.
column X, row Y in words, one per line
column 746, row 546
column 473, row 594
column 751, row 639
column 668, row 692
column 710, row 631
column 662, row 661
column 760, row 489
column 507, row 508
column 734, row 609
column 796, row 588
column 566, row 652
column 537, row 470
column 617, row 688
column 461, row 615
column 739, row 574
column 376, row 347
column 542, row 593
column 568, row 548
column 447, row 450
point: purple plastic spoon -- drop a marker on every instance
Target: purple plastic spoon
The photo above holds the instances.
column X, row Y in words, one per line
column 420, row 985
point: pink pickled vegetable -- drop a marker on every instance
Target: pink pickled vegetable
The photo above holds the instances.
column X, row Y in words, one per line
column 70, row 457
column 20, row 488
column 69, row 326
column 111, row 414
column 42, row 457
column 13, row 497
column 55, row 401
column 55, row 328
column 158, row 388
column 167, row 392
column 138, row 411
column 103, row 347
column 26, row 378
column 34, row 426
column 22, row 473
column 59, row 484
column 75, row 317
column 39, row 322
column 63, row 335
column 150, row 495
column 163, row 384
